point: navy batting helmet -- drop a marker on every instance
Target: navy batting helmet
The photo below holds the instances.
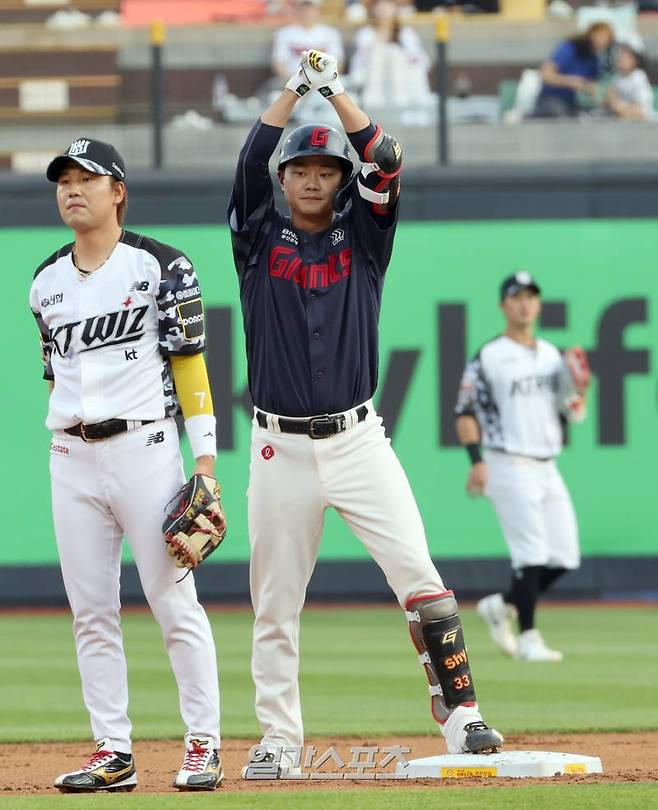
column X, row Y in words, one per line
column 316, row 139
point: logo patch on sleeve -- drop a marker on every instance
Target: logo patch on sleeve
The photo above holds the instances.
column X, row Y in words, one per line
column 190, row 317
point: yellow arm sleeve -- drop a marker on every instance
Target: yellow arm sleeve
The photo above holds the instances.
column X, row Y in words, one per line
column 192, row 385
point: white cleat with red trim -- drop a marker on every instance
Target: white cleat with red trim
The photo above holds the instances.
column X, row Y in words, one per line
column 202, row 765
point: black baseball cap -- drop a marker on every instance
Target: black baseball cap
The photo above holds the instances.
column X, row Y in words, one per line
column 521, row 280
column 94, row 156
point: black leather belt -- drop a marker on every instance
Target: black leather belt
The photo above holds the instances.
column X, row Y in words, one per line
column 317, row 427
column 103, row 430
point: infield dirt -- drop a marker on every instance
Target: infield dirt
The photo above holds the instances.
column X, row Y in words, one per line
column 30, row 768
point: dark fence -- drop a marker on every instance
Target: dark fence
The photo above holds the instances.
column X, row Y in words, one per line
column 627, row 578
column 540, row 192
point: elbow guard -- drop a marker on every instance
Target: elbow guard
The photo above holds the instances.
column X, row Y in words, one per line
column 386, row 152
column 379, row 181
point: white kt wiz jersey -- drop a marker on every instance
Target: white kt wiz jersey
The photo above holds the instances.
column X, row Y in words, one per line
column 106, row 337
column 514, row 392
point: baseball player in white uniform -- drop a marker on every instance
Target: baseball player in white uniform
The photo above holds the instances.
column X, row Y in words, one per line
column 310, row 289
column 306, row 31
column 122, row 331
column 514, row 397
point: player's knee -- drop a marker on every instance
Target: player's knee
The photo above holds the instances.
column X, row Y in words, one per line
column 167, row 611
column 433, row 607
column 97, row 621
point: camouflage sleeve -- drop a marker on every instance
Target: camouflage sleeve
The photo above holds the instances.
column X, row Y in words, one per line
column 180, row 308
column 471, row 389
column 476, row 398
column 46, row 347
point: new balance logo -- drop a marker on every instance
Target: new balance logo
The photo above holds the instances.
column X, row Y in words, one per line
column 139, row 286
column 155, row 438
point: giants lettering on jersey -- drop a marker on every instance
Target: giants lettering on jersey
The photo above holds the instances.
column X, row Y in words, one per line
column 534, row 384
column 124, row 326
column 284, row 262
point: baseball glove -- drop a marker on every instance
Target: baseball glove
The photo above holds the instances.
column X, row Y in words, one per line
column 195, row 524
column 574, row 380
column 576, row 362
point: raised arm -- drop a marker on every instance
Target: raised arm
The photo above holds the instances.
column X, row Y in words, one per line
column 380, row 154
column 280, row 110
column 351, row 116
column 252, row 189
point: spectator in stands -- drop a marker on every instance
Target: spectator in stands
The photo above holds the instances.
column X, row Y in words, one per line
column 305, row 33
column 630, row 95
column 389, row 66
column 572, row 68
column 358, row 11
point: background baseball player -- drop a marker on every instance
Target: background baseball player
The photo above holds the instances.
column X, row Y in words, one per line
column 513, row 398
column 121, row 323
column 310, row 287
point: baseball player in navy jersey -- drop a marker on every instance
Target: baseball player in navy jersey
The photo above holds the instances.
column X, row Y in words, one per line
column 513, row 398
column 310, row 287
column 121, row 324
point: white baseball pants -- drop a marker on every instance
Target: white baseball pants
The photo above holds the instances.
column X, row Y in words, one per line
column 293, row 480
column 535, row 511
column 101, row 490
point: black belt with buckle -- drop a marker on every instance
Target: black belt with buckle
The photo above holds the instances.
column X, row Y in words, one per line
column 103, row 430
column 317, row 427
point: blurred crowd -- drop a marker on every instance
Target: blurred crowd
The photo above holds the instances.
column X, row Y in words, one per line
column 571, row 76
column 599, row 71
column 388, row 67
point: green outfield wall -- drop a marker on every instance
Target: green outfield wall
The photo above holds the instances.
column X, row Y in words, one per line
column 440, row 303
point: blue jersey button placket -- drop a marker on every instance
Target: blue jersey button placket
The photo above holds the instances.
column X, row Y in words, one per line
column 316, row 351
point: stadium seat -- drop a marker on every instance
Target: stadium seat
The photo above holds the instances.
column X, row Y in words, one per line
column 506, row 94
column 508, row 89
column 523, row 9
column 38, row 11
column 190, row 12
column 78, row 82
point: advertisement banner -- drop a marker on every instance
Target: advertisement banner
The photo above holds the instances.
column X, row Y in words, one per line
column 440, row 304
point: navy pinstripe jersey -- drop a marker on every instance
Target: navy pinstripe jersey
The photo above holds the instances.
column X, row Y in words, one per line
column 310, row 302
